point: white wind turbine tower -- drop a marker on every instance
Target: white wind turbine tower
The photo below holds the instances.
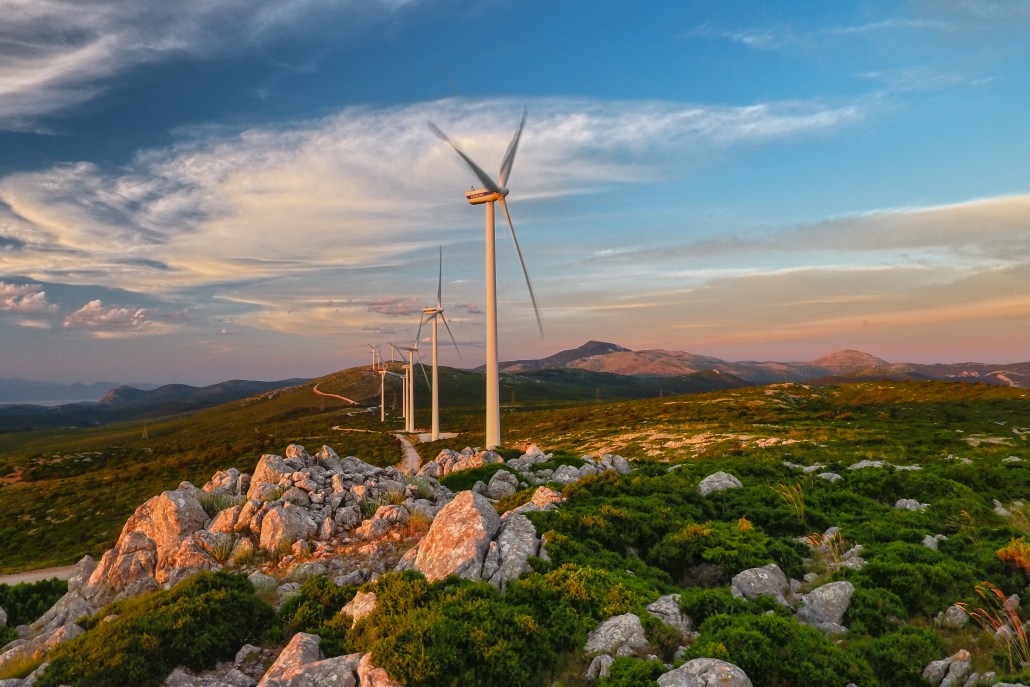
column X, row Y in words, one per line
column 490, row 193
column 409, row 385
column 382, row 391
column 435, row 314
column 377, row 356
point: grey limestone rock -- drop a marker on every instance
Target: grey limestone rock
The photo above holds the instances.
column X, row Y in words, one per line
column 910, row 504
column 824, row 607
column 620, row 635
column 458, row 539
column 360, row 606
column 717, row 481
column 705, row 672
column 598, row 668
column 949, row 672
column 502, row 484
column 829, row 476
column 667, row 609
column 516, row 542
column 754, row 582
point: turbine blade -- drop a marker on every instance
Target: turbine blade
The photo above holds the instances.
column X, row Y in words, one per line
column 532, row 296
column 439, row 282
column 509, row 155
column 444, row 320
column 484, row 178
column 419, row 335
column 420, row 364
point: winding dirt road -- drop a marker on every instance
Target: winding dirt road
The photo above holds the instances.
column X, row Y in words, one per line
column 342, row 398
column 62, row 573
column 410, row 461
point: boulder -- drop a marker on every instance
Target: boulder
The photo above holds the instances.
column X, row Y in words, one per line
column 949, row 672
column 824, row 607
column 385, row 519
column 667, row 609
column 565, row 474
column 717, row 481
column 458, row 539
column 3, row 617
column 516, row 542
column 369, row 675
column 270, row 469
column 502, row 484
column 598, row 668
column 283, row 525
column 132, row 561
column 301, row 665
column 167, row 519
column 360, row 606
column 829, row 476
column 910, row 504
column 754, row 582
column 953, row 618
column 705, row 672
column 620, row 635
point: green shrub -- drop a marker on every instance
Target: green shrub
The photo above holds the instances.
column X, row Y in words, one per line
column 27, row 601
column 315, row 608
column 463, row 480
column 506, row 503
column 200, row 621
column 701, row 604
column 926, row 581
column 899, row 657
column 632, row 672
column 777, row 651
column 874, row 611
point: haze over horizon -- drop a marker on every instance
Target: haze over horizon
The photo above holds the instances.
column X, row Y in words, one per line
column 205, row 191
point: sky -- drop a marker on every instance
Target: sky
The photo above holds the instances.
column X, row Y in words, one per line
column 216, row 189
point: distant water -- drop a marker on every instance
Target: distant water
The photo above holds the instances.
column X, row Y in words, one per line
column 36, row 402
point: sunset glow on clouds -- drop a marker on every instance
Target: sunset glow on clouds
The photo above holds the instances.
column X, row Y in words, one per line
column 723, row 185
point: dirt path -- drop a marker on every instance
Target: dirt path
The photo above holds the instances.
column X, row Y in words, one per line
column 342, row 398
column 410, row 461
column 62, row 573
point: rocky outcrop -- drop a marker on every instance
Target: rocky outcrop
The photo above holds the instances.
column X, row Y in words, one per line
column 705, row 672
column 910, row 504
column 502, row 484
column 449, row 461
column 301, row 664
column 459, row 538
column 371, row 676
column 516, row 541
column 953, row 617
column 620, row 635
column 754, row 582
column 718, row 481
column 598, row 668
column 824, row 607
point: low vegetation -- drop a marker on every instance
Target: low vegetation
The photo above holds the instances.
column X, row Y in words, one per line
column 618, row 542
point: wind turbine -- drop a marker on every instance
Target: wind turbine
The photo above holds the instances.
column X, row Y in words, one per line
column 490, row 193
column 435, row 314
column 409, row 385
column 377, row 357
column 382, row 391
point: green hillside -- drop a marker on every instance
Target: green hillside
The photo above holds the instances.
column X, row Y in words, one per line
column 67, row 492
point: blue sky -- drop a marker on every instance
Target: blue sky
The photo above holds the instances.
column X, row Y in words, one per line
column 199, row 190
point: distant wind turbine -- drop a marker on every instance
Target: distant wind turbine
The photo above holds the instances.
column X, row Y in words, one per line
column 435, row 314
column 490, row 193
column 409, row 384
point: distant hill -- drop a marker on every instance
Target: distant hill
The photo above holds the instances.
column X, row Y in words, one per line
column 129, row 403
column 842, row 366
column 23, row 390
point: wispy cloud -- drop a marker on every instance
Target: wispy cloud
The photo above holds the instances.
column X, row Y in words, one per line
column 56, row 53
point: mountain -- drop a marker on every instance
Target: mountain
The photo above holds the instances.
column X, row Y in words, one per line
column 835, row 368
column 561, row 359
column 843, row 362
column 128, row 403
column 25, row 390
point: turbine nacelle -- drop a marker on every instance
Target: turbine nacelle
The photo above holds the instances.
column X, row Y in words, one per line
column 478, row 196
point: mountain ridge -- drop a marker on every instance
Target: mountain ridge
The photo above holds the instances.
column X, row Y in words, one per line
column 843, row 365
